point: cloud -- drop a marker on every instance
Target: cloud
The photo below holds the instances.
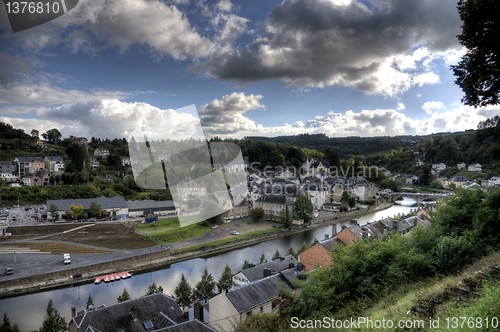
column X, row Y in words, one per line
column 121, row 23
column 114, row 118
column 430, row 106
column 225, row 115
column 377, row 46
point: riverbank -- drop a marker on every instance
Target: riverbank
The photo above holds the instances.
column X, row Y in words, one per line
column 140, row 261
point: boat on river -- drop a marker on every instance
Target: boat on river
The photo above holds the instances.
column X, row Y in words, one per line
column 112, row 277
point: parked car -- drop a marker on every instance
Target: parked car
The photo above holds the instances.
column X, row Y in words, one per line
column 9, row 271
column 235, row 233
column 215, row 227
column 67, row 259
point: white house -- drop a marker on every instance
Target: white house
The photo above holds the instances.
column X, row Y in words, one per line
column 461, row 165
column 475, row 168
column 54, row 164
column 438, row 167
column 101, row 152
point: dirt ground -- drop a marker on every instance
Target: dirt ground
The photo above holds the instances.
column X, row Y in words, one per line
column 111, row 235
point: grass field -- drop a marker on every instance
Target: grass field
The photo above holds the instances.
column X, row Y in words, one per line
column 169, row 230
column 395, row 306
column 229, row 240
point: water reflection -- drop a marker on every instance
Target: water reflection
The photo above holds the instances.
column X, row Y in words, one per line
column 28, row 310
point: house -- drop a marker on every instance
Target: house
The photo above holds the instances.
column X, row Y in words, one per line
column 494, row 181
column 438, row 167
column 101, row 152
column 332, row 206
column 54, row 164
column 458, row 181
column 40, row 178
column 8, row 169
column 81, row 140
column 274, row 205
column 94, row 163
column 227, row 309
column 125, row 161
column 475, row 168
column 157, row 312
column 461, row 166
column 319, row 254
column 145, row 207
column 115, row 206
column 407, row 178
column 264, row 270
column 364, row 191
column 28, row 165
column 239, row 211
column 189, row 188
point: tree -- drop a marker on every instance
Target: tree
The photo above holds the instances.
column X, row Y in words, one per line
column 53, row 321
column 125, row 296
column 256, row 214
column 90, row 303
column 53, row 211
column 205, row 287
column 184, row 293
column 35, row 133
column 246, row 264
column 285, row 217
column 478, row 72
column 291, row 252
column 153, row 289
column 302, row 248
column 226, row 279
column 304, row 208
column 6, row 325
column 75, row 211
column 95, row 210
column 262, row 259
column 276, row 255
column 52, row 135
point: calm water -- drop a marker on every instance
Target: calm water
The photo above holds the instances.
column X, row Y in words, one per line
column 28, row 310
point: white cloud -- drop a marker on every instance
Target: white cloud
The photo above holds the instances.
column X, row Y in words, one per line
column 225, row 5
column 431, row 106
column 225, row 115
column 121, row 23
column 401, row 107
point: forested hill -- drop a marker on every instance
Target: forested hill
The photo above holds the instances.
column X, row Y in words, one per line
column 471, row 146
column 346, row 146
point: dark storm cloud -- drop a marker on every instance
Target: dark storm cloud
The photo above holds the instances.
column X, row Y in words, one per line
column 317, row 43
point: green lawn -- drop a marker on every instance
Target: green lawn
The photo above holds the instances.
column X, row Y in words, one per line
column 169, row 230
column 229, row 240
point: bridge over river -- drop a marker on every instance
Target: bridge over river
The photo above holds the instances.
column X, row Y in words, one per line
column 418, row 197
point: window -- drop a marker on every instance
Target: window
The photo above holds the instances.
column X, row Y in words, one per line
column 249, row 313
column 261, row 309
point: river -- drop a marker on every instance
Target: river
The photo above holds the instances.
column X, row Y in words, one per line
column 28, row 310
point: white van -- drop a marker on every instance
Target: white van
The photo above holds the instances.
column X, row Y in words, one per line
column 67, row 259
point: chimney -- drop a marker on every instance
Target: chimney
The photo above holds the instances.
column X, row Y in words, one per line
column 334, row 230
column 133, row 312
column 326, row 237
column 282, row 258
column 198, row 311
column 73, row 312
column 300, row 266
column 344, row 227
column 364, row 234
column 267, row 272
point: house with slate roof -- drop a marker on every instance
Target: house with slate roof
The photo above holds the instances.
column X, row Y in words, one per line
column 260, row 271
column 157, row 312
column 227, row 309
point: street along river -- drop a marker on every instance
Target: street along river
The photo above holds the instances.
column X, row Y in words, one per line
column 28, row 310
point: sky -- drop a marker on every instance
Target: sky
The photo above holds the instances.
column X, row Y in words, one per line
column 238, row 68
